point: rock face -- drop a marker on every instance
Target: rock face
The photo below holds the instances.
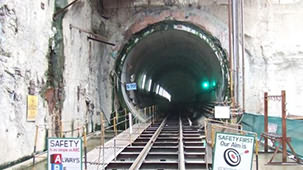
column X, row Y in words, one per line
column 86, row 75
column 25, row 29
column 273, row 57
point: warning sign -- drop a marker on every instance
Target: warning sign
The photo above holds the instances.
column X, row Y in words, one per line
column 32, row 107
column 233, row 152
column 64, row 154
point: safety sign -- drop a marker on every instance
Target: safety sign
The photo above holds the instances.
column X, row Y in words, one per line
column 233, row 152
column 32, row 107
column 64, row 154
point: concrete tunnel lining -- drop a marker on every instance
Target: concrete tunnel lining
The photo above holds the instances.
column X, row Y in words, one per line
column 178, row 57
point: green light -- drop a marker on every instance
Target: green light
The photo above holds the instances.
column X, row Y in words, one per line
column 205, row 85
column 214, row 83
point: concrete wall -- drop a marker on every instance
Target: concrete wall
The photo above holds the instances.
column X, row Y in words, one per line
column 25, row 29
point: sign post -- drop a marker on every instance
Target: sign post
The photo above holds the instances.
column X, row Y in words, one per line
column 233, row 151
column 64, row 153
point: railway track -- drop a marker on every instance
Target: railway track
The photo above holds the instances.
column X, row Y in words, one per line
column 170, row 144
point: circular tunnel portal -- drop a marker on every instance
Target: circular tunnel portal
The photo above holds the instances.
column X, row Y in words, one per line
column 175, row 65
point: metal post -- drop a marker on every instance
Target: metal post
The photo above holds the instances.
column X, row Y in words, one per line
column 130, row 127
column 265, row 121
column 235, row 28
column 125, row 117
column 115, row 123
column 63, row 9
column 154, row 114
column 78, row 129
column 115, row 126
column 150, row 114
column 85, row 148
column 206, row 142
column 230, row 52
column 61, row 129
column 284, row 135
column 243, row 53
column 35, row 145
column 115, row 149
column 257, row 153
column 102, row 138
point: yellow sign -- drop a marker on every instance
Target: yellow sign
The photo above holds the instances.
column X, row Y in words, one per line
column 32, row 107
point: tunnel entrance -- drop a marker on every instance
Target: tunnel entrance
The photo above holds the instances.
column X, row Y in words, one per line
column 175, row 65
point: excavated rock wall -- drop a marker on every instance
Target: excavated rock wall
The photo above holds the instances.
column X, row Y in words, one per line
column 25, row 30
column 87, row 82
column 274, row 54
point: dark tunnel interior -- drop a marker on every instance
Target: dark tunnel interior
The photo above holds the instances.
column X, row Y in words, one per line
column 175, row 65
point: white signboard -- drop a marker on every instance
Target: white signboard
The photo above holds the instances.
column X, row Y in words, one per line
column 64, row 154
column 233, row 152
column 222, row 112
column 131, row 86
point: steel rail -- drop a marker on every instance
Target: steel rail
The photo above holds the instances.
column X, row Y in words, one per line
column 139, row 160
column 181, row 147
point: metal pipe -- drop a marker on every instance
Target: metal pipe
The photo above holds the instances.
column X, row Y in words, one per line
column 101, row 41
column 63, row 9
column 235, row 25
column 181, row 147
column 230, row 53
column 98, row 37
column 243, row 58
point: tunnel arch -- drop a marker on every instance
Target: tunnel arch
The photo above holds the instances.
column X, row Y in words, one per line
column 174, row 63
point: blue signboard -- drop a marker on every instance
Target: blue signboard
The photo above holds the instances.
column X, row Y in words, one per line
column 131, row 86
